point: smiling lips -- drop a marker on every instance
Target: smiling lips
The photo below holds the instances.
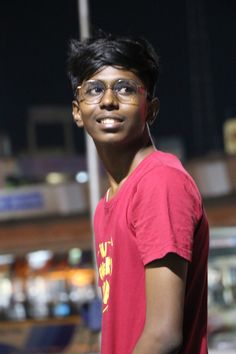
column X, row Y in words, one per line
column 109, row 121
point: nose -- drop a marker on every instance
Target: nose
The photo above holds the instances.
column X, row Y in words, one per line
column 109, row 99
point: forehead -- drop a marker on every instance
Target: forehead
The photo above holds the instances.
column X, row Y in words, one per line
column 110, row 74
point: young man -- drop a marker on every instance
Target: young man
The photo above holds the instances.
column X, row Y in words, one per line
column 150, row 228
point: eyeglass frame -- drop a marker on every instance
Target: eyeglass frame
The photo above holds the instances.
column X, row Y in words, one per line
column 110, row 86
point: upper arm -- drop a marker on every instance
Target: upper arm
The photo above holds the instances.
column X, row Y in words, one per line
column 165, row 293
column 164, row 215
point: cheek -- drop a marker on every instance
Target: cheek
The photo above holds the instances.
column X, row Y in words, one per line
column 143, row 111
column 86, row 114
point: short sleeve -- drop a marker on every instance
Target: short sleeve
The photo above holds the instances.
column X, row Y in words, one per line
column 165, row 211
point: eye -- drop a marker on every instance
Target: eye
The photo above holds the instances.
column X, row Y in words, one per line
column 95, row 88
column 125, row 88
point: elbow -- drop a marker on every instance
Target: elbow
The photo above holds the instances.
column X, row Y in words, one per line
column 173, row 344
column 169, row 342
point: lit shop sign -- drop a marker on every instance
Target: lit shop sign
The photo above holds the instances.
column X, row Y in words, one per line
column 23, row 201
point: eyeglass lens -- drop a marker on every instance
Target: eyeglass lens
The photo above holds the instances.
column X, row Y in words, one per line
column 125, row 90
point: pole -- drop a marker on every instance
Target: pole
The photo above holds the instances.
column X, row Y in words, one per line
column 92, row 157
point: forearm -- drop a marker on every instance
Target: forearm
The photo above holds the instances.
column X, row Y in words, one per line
column 162, row 333
column 150, row 343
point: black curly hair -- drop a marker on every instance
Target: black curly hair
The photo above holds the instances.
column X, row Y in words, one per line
column 87, row 57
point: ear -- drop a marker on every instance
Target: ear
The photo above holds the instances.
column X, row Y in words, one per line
column 77, row 114
column 153, row 109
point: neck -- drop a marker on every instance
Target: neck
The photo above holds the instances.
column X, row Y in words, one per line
column 120, row 162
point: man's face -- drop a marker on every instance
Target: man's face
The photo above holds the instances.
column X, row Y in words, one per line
column 111, row 121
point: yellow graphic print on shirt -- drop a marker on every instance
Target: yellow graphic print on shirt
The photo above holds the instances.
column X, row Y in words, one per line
column 105, row 270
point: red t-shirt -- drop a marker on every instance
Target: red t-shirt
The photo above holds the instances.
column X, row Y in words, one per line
column 157, row 210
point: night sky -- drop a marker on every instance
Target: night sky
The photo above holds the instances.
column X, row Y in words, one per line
column 34, row 40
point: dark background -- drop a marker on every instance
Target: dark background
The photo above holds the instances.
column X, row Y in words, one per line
column 195, row 40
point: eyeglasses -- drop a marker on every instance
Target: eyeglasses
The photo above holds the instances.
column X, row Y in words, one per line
column 126, row 91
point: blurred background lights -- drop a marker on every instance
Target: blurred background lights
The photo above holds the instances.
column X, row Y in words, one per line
column 38, row 259
column 75, row 255
column 55, row 178
column 6, row 259
column 82, row 177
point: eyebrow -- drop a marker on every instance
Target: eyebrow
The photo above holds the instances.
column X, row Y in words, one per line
column 139, row 83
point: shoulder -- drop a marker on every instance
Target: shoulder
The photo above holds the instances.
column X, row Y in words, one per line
column 165, row 171
column 165, row 185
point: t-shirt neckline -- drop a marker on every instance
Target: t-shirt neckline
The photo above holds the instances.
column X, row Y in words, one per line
column 110, row 202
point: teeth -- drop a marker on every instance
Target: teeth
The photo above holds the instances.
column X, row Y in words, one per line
column 108, row 121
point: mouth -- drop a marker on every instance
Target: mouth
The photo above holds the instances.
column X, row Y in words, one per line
column 110, row 122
